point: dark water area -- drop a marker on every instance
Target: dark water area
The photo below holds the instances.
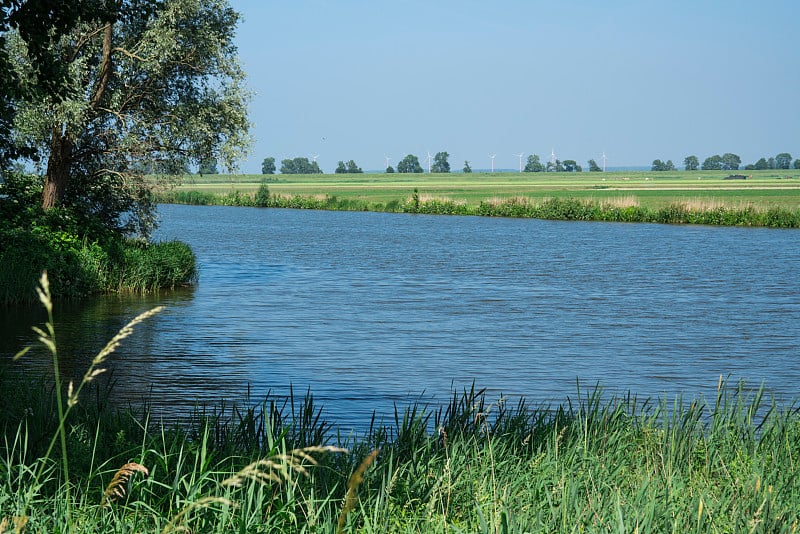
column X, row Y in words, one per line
column 367, row 310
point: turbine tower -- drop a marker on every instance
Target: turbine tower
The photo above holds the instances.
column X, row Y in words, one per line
column 604, row 161
column 553, row 156
column 315, row 156
column 387, row 161
column 429, row 162
column 492, row 156
column 520, row 160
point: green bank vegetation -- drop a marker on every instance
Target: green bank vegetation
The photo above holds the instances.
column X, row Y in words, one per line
column 70, row 462
column 82, row 254
column 96, row 96
column 768, row 198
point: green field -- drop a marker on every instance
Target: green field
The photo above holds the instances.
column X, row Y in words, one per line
column 765, row 189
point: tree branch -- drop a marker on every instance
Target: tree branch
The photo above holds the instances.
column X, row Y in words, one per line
column 105, row 67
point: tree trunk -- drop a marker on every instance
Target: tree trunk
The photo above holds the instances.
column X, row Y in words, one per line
column 58, row 164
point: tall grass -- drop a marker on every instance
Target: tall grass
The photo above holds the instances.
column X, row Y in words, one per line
column 78, row 267
column 621, row 209
column 592, row 464
column 147, row 267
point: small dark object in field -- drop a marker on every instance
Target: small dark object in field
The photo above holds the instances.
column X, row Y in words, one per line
column 736, row 177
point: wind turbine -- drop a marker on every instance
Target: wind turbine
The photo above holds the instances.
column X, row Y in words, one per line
column 387, row 160
column 492, row 156
column 429, row 161
column 520, row 160
column 604, row 161
column 315, row 156
column 553, row 156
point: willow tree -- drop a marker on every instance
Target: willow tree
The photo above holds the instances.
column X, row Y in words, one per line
column 150, row 85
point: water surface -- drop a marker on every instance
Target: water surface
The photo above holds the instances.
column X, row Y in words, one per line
column 369, row 309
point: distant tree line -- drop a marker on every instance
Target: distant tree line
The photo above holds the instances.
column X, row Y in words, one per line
column 348, row 168
column 410, row 164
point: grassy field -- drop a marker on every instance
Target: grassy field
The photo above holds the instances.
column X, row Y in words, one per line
column 766, row 189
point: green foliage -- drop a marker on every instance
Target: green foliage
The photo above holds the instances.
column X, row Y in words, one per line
column 389, row 170
column 409, row 164
column 533, row 164
column 467, row 169
column 473, row 464
column 731, row 162
column 691, row 163
column 79, row 252
column 712, row 163
column 146, row 267
column 348, row 168
column 440, row 163
column 783, row 161
column 150, row 85
column 661, row 166
column 208, row 166
column 261, row 199
column 593, row 167
column 299, row 166
column 268, row 166
column 352, row 168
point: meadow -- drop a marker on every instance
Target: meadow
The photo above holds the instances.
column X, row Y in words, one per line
column 763, row 199
column 648, row 189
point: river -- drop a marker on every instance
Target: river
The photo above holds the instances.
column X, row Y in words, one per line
column 368, row 309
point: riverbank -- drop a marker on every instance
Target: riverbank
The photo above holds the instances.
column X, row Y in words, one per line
column 612, row 209
column 82, row 256
column 476, row 465
column 73, row 462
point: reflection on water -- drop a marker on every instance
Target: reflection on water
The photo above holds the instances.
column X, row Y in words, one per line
column 370, row 309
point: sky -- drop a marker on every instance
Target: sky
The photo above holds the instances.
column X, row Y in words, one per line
column 637, row 80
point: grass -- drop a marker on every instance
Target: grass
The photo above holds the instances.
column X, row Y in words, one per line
column 767, row 199
column 652, row 189
column 474, row 465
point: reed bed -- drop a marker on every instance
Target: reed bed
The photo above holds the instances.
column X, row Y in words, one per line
column 615, row 209
column 70, row 462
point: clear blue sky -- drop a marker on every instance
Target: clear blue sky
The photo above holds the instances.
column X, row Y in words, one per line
column 638, row 79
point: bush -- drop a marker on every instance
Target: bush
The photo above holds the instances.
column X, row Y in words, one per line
column 81, row 255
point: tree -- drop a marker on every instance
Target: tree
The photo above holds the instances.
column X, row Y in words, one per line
column 349, row 167
column 593, row 167
column 467, row 169
column 389, row 170
column 208, row 166
column 533, row 164
column 40, row 24
column 761, row 165
column 555, row 167
column 660, row 166
column 353, row 168
column 440, row 163
column 570, row 165
column 796, row 164
column 410, row 163
column 300, row 166
column 783, row 160
column 691, row 163
column 712, row 163
column 161, row 84
column 268, row 166
column 731, row 162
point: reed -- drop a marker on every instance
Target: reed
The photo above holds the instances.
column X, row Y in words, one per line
column 592, row 464
column 626, row 208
